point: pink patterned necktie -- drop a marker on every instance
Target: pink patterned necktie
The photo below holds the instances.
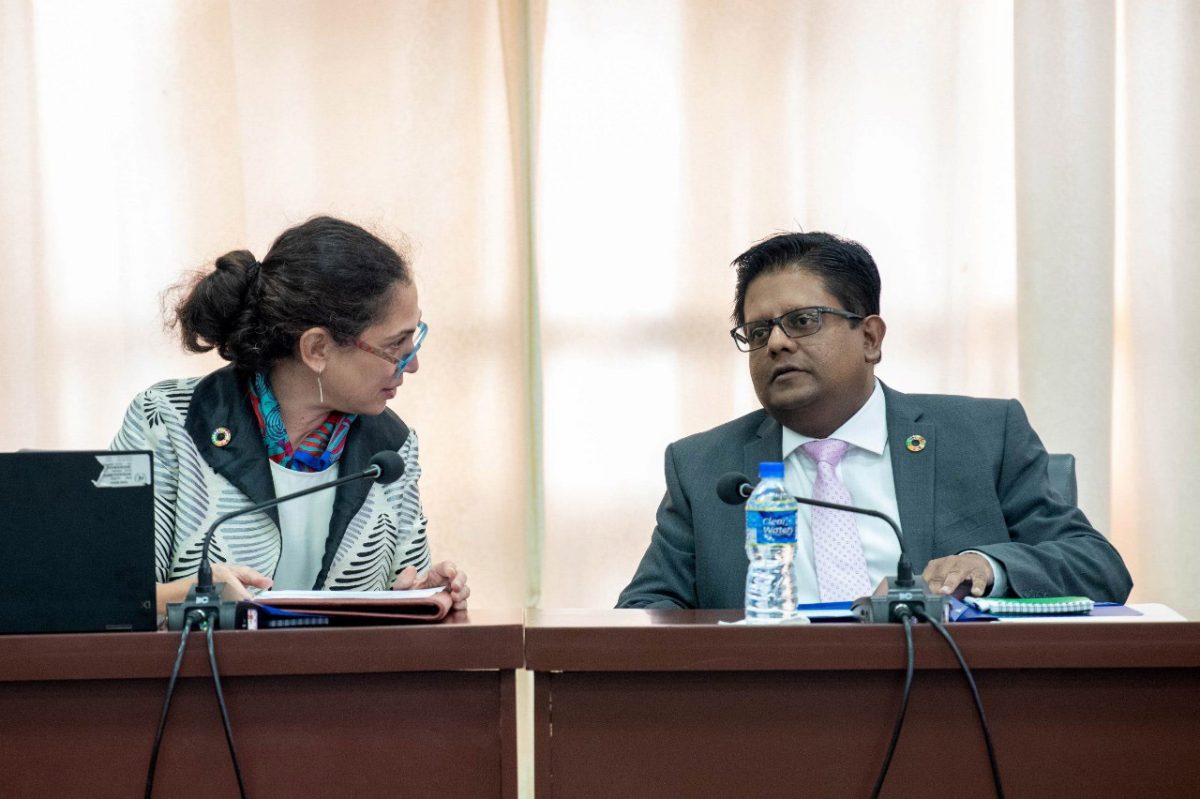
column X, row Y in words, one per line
column 837, row 549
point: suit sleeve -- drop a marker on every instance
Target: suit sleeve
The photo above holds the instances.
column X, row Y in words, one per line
column 1054, row 550
column 666, row 577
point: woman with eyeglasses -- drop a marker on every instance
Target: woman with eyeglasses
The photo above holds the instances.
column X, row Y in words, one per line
column 319, row 336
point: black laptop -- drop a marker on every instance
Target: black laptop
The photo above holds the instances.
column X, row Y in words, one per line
column 76, row 541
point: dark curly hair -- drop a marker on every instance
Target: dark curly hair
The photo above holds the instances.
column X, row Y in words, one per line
column 323, row 273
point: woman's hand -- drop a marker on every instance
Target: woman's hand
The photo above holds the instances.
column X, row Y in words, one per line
column 444, row 573
column 237, row 578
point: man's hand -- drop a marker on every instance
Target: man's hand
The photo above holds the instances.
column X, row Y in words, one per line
column 444, row 573
column 959, row 575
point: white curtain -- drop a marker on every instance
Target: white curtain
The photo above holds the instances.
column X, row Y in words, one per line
column 148, row 138
column 572, row 179
column 668, row 146
column 1156, row 419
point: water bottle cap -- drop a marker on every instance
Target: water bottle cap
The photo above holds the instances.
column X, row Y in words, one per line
column 770, row 469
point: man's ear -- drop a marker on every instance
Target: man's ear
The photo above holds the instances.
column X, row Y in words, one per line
column 314, row 348
column 874, row 329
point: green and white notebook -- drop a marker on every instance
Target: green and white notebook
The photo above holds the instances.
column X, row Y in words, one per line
column 1032, row 605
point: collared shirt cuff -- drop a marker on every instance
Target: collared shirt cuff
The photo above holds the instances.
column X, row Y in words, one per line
column 999, row 575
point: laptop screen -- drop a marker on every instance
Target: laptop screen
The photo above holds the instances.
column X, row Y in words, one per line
column 76, row 541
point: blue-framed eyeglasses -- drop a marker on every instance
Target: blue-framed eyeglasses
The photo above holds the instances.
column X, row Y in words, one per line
column 401, row 363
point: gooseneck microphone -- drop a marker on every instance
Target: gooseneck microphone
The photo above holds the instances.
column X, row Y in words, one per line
column 205, row 596
column 734, row 489
column 905, row 593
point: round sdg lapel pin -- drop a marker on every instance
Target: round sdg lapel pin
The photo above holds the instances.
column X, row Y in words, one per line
column 915, row 443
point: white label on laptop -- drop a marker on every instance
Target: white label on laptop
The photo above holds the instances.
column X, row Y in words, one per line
column 122, row 471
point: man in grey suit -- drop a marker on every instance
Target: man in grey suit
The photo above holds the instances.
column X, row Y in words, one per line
column 966, row 477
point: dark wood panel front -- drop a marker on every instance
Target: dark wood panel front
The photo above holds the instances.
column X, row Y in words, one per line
column 407, row 735
column 404, row 712
column 667, row 703
column 770, row 734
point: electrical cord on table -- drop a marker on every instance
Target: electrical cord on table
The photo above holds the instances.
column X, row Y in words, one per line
column 195, row 618
column 906, row 617
column 212, row 660
column 162, row 721
column 987, row 732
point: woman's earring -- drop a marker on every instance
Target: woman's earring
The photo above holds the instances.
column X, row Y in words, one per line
column 320, row 390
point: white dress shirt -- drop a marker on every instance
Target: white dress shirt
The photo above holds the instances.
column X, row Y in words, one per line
column 866, row 471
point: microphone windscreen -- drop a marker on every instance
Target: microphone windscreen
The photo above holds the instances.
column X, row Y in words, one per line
column 391, row 466
column 730, row 487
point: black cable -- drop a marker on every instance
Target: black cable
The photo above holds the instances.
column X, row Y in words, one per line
column 212, row 660
column 907, row 618
column 987, row 732
column 162, row 721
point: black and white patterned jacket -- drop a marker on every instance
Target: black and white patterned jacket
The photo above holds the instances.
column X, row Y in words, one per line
column 374, row 531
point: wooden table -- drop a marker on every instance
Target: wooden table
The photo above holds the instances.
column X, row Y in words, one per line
column 659, row 704
column 402, row 711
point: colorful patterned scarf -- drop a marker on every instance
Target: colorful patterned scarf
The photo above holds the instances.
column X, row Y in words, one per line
column 319, row 450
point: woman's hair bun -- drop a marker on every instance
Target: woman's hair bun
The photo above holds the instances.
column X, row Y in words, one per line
column 237, row 261
column 214, row 303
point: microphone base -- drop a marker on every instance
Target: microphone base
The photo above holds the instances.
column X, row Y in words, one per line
column 218, row 613
column 883, row 608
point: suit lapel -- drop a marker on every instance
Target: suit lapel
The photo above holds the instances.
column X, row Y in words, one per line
column 766, row 446
column 367, row 435
column 219, row 401
column 350, row 496
column 913, row 474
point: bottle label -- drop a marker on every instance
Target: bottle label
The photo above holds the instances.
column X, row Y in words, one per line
column 771, row 526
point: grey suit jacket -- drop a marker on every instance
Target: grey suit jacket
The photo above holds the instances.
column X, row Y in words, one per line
column 979, row 483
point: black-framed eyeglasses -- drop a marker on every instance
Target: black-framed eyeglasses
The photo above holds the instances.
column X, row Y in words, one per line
column 796, row 323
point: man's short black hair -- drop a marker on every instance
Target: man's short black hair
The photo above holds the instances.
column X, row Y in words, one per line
column 845, row 266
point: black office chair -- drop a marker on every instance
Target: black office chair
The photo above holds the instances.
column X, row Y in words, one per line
column 1062, row 477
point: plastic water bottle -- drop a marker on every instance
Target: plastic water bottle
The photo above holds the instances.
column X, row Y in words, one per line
column 771, row 548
